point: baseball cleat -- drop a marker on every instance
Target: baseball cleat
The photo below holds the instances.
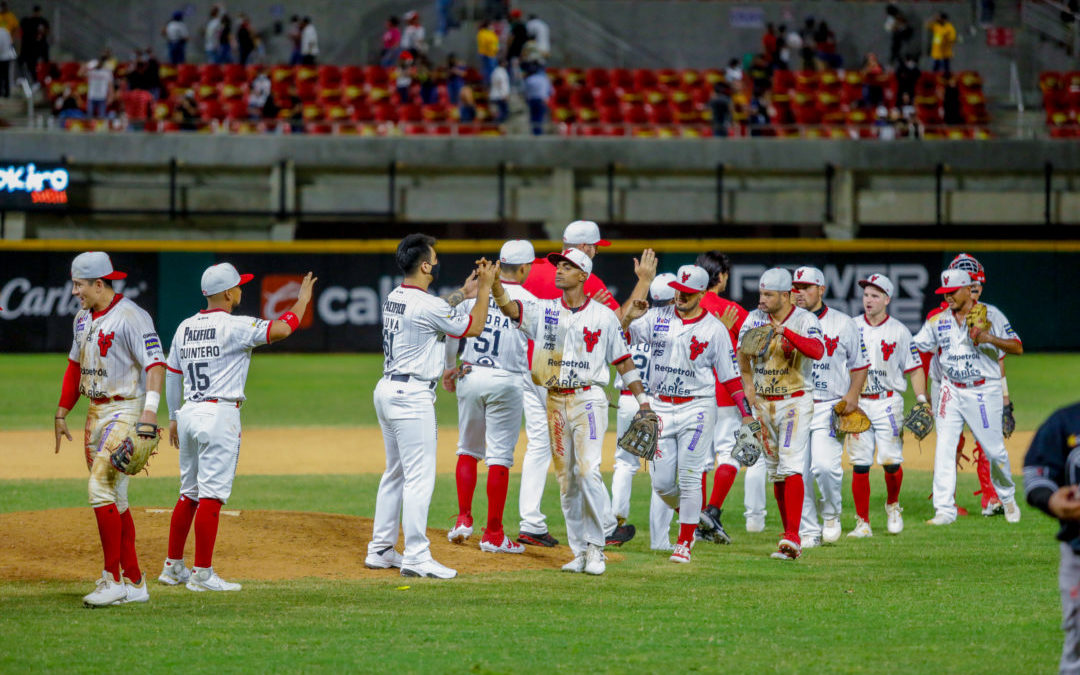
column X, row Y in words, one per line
column 1012, row 512
column 681, row 553
column 787, row 550
column 940, row 519
column 534, row 539
column 895, row 522
column 575, row 565
column 594, row 560
column 133, row 593
column 174, row 573
column 666, row 547
column 862, row 529
column 107, row 592
column 710, row 525
column 994, row 508
column 383, row 560
column 500, row 544
column 621, row 535
column 206, row 579
column 755, row 523
column 429, row 569
column 462, row 530
column 830, row 533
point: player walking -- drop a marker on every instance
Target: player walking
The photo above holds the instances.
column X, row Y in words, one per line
column 892, row 356
column 970, row 391
column 489, row 393
column 779, row 385
column 415, row 327
column 574, row 341
column 691, row 351
column 210, row 356
column 114, row 344
column 839, row 376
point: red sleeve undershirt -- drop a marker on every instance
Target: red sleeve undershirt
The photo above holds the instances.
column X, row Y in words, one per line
column 69, row 391
column 808, row 346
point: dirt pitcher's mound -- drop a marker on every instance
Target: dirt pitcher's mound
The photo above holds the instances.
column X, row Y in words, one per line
column 62, row 544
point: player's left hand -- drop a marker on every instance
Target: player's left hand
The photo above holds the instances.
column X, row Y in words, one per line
column 174, row 434
column 645, row 269
column 148, row 417
column 850, row 403
column 449, row 379
column 471, row 285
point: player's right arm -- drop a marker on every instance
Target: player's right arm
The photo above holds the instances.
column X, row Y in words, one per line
column 287, row 324
column 507, row 306
column 1046, row 479
column 174, row 387
column 69, row 390
column 645, row 270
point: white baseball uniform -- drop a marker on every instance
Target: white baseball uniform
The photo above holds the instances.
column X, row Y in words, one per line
column 844, row 353
column 572, row 350
column 415, row 326
column 113, row 348
column 971, row 393
column 688, row 357
column 212, row 352
column 892, row 356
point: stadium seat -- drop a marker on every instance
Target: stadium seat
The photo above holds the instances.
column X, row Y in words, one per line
column 211, row 73
column 622, row 78
column 667, row 77
column 230, row 92
column 806, row 81
column 607, row 96
column 596, row 78
column 711, row 76
column 690, row 78
column 236, row 110
column 645, row 78
column 284, row 74
column 635, row 113
column 360, row 111
column 69, row 70
column 385, row 112
column 234, row 73
column 306, row 74
column 187, row 74
column 311, row 112
column 211, row 110
column 1049, row 81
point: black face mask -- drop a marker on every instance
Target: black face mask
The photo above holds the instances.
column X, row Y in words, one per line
column 434, row 272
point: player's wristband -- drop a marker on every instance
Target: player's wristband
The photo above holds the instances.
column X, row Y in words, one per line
column 630, row 377
column 921, row 398
column 153, row 399
column 1004, row 387
column 291, row 320
column 502, row 300
column 641, row 398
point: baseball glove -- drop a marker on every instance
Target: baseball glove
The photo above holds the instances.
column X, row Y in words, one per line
column 756, row 341
column 920, row 420
column 134, row 452
column 849, row 422
column 641, row 436
column 1008, row 422
column 748, row 445
column 977, row 319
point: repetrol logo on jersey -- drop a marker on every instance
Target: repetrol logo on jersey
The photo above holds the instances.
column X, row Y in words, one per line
column 591, row 338
column 887, row 349
column 696, row 348
column 831, row 343
column 104, row 342
column 279, row 292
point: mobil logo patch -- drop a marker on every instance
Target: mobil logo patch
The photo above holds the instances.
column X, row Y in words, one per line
column 278, row 293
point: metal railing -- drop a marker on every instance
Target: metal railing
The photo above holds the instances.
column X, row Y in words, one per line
column 1045, row 18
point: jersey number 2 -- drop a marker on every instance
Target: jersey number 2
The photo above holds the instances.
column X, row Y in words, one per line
column 200, row 381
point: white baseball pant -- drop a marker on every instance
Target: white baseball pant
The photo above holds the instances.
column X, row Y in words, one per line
column 728, row 422
column 577, row 423
column 489, row 415
column 626, row 466
column 106, row 484
column 787, row 426
column 823, row 465
column 686, row 434
column 406, row 412
column 980, row 407
column 209, row 449
column 537, row 459
column 754, row 490
column 886, row 426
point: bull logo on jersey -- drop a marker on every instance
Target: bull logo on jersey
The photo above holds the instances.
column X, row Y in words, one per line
column 831, row 343
column 696, row 348
column 104, row 342
column 887, row 349
column 591, row 338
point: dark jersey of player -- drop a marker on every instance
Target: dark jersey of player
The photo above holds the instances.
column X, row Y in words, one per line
column 1052, row 462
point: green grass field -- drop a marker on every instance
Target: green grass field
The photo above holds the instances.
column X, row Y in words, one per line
column 978, row 596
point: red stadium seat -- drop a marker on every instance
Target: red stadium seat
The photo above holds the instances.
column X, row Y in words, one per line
column 69, row 70
column 187, row 74
column 596, row 78
column 311, row 112
column 353, row 75
column 385, row 112
column 660, row 113
column 711, row 76
column 229, row 92
column 335, row 111
column 236, row 110
column 362, row 112
column 307, row 91
column 829, row 79
column 211, row 73
column 306, row 74
column 806, row 81
column 622, row 78
column 689, row 78
column 234, row 73
column 635, row 113
column 645, row 78
column 668, row 77
column 1049, row 81
column 282, row 74
column 211, row 110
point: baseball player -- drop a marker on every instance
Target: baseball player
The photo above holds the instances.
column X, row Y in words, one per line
column 838, row 376
column 727, row 417
column 1051, row 476
column 691, row 350
column 779, row 387
column 892, row 357
column 415, row 327
column 115, row 361
column 970, row 392
column 661, row 294
column 489, row 393
column 210, row 356
column 574, row 340
column 583, row 235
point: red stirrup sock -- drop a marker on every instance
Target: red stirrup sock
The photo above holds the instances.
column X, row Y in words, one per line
column 793, row 499
column 129, row 560
column 497, row 484
column 893, row 481
column 206, row 525
column 725, row 478
column 180, row 525
column 466, row 484
column 110, row 530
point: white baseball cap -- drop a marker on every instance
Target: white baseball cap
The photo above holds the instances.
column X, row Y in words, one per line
column 690, row 279
column 583, row 232
column 809, row 275
column 94, row 265
column 953, row 280
column 660, row 289
column 878, row 281
column 776, row 279
column 517, row 252
column 575, row 257
column 222, row 277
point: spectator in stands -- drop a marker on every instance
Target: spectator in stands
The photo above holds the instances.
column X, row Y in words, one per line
column 540, row 32
column 519, row 35
column 487, row 45
column 444, row 9
column 770, row 45
column 403, row 77
column 259, row 95
column 246, row 39
column 757, row 120
column 499, row 94
column 950, row 102
column 760, row 75
column 424, row 76
column 153, row 74
column 34, row 30
column 943, row 37
column 910, row 124
column 792, row 47
column 212, row 35
column 66, row 106
column 537, row 92
column 907, row 76
column 309, row 42
column 226, row 40
column 8, row 20
column 413, row 38
column 391, row 43
column 899, row 30
column 295, row 29
column 187, row 111
column 176, row 36
column 721, row 107
column 455, row 78
column 873, row 93
column 136, row 77
column 99, row 88
column 7, row 58
column 825, row 41
column 467, row 106
column 883, row 127
column 733, row 74
column 809, row 62
column 986, row 13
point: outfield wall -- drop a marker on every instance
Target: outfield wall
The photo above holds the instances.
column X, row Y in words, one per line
column 1031, row 282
